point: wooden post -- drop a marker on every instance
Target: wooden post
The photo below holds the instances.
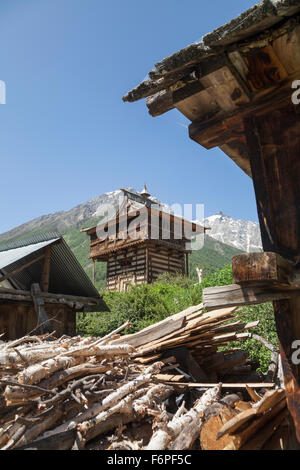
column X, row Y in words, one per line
column 273, row 141
column 187, row 263
column 39, row 306
column 45, row 276
column 147, row 265
column 93, row 271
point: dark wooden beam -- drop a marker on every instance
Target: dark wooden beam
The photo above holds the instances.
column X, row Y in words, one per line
column 273, row 140
column 21, row 268
column 39, row 306
column 187, row 263
column 45, row 276
column 230, row 127
column 261, row 268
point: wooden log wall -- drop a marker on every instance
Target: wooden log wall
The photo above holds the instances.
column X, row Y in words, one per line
column 18, row 319
column 142, row 263
column 126, row 265
column 162, row 260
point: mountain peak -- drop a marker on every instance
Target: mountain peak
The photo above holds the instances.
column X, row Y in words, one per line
column 242, row 234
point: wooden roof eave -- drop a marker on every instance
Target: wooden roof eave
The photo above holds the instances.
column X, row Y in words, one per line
column 216, row 91
column 196, row 228
column 17, row 295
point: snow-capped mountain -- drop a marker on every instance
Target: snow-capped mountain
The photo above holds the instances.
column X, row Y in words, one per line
column 242, row 234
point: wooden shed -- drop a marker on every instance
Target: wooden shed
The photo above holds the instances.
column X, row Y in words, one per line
column 240, row 88
column 42, row 286
column 141, row 242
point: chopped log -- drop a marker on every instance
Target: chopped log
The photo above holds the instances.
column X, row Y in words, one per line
column 174, row 429
column 168, row 378
column 224, row 385
column 37, row 372
column 92, row 385
column 89, row 418
column 41, row 427
column 214, row 419
column 159, row 330
column 253, row 394
column 62, row 441
column 13, row 395
column 153, row 397
column 261, row 268
column 270, row 399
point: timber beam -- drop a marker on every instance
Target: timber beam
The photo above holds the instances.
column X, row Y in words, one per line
column 78, row 303
column 21, row 268
column 238, row 296
column 263, row 268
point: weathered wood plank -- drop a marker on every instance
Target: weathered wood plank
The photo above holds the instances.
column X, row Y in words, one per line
column 261, row 268
column 235, row 295
column 273, row 139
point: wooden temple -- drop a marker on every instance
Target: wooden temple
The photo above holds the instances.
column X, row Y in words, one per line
column 141, row 242
column 240, row 88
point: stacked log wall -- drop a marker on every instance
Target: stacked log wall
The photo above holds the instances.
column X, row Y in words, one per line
column 142, row 264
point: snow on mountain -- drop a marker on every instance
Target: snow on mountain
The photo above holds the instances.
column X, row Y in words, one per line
column 242, row 234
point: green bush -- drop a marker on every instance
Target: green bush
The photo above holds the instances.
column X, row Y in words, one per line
column 142, row 305
column 266, row 328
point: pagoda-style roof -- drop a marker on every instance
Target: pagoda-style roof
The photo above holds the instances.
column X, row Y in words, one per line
column 132, row 206
column 133, row 203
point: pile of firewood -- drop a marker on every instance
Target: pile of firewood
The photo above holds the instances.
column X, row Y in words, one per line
column 63, row 393
column 199, row 336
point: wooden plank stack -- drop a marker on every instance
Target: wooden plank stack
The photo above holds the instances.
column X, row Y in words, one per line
column 62, row 393
column 201, row 335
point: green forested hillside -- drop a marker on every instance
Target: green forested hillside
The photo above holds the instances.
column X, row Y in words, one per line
column 214, row 255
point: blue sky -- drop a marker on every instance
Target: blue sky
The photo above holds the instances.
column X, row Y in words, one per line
column 66, row 135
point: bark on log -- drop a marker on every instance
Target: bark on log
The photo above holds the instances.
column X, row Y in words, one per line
column 109, row 401
column 13, row 395
column 163, row 437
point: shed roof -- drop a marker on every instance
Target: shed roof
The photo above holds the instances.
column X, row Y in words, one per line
column 66, row 274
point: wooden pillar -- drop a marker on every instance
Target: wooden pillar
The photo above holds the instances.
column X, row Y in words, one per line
column 273, row 141
column 147, row 264
column 45, row 276
column 187, row 264
column 93, row 271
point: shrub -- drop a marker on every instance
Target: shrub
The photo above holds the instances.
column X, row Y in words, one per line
column 146, row 304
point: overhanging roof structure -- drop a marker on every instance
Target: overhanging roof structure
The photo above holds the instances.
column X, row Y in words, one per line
column 231, row 71
column 239, row 87
column 21, row 264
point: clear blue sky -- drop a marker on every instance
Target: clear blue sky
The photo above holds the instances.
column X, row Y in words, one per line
column 66, row 135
